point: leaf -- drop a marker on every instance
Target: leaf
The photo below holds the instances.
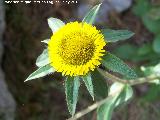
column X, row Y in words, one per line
column 91, row 15
column 152, row 94
column 45, row 41
column 88, row 82
column 152, row 25
column 151, row 70
column 129, row 50
column 123, row 93
column 115, row 64
column 154, row 13
column 141, row 7
column 43, row 59
column 55, row 24
column 40, row 72
column 156, row 44
column 100, row 84
column 116, row 35
column 72, row 85
column 145, row 49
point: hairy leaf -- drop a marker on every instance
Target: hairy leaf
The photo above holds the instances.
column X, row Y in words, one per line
column 43, row 59
column 72, row 85
column 100, row 84
column 40, row 72
column 116, row 35
column 91, row 15
column 45, row 41
column 55, row 24
column 88, row 82
column 115, row 64
column 120, row 94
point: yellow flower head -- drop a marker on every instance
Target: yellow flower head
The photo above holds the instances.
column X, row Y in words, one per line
column 76, row 48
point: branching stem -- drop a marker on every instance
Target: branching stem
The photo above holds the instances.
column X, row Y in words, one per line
column 95, row 105
column 130, row 82
column 114, row 79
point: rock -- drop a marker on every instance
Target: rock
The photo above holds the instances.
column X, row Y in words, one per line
column 120, row 5
column 106, row 7
column 7, row 103
column 2, row 24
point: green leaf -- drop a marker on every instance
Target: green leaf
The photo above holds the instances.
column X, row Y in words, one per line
column 152, row 25
column 145, row 49
column 129, row 50
column 91, row 15
column 120, row 94
column 100, row 84
column 43, row 59
column 154, row 13
column 45, row 41
column 88, row 82
column 156, row 44
column 116, row 35
column 141, row 7
column 115, row 64
column 40, row 72
column 55, row 24
column 152, row 94
column 151, row 70
column 72, row 85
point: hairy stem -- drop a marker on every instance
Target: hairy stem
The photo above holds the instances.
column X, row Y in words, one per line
column 114, row 79
column 95, row 105
column 130, row 82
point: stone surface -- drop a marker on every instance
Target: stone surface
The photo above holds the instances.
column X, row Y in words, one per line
column 2, row 24
column 106, row 7
column 7, row 103
column 120, row 5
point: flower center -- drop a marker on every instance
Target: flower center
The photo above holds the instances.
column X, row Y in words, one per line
column 77, row 48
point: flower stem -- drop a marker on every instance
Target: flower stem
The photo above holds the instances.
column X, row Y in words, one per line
column 114, row 79
column 130, row 82
column 95, row 105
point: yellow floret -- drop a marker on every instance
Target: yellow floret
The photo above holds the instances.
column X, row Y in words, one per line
column 76, row 48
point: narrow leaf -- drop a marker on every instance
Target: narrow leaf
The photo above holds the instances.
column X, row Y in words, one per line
column 115, row 64
column 116, row 35
column 72, row 85
column 91, row 15
column 100, row 84
column 45, row 41
column 43, row 59
column 88, row 82
column 120, row 94
column 55, row 24
column 40, row 72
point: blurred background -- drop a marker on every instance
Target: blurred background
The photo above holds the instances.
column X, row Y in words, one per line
column 23, row 26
